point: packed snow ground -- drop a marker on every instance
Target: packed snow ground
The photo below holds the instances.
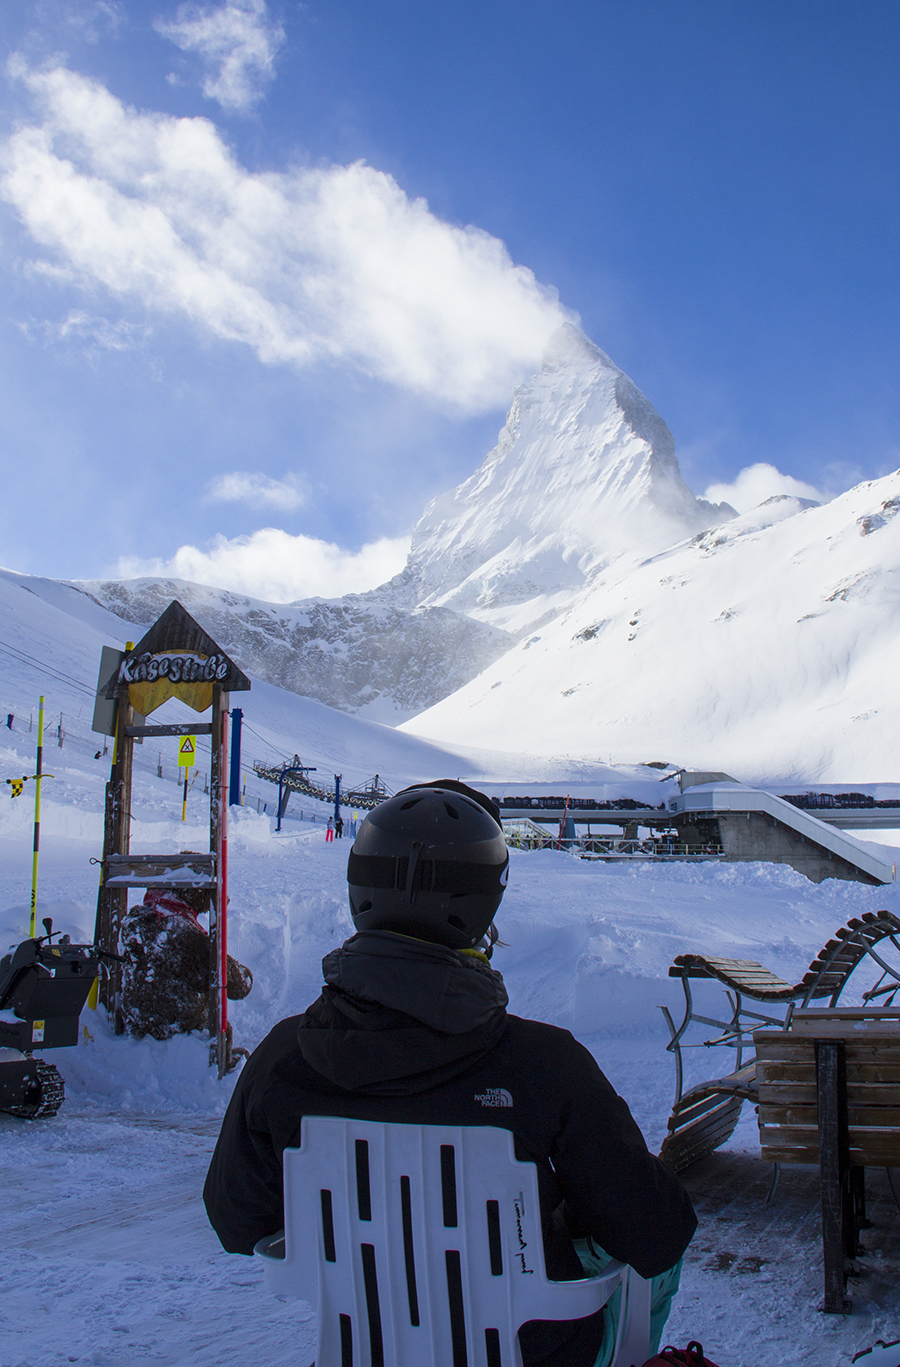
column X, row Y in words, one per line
column 106, row 1255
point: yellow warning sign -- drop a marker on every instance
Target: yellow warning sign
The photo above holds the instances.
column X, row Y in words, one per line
column 186, row 751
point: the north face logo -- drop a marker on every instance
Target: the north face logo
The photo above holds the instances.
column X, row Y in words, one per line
column 494, row 1096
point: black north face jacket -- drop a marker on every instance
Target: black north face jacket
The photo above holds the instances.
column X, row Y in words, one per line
column 413, row 1032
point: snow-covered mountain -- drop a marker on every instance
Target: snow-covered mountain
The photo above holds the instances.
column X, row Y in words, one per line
column 769, row 645
column 375, row 653
column 574, row 597
column 584, row 473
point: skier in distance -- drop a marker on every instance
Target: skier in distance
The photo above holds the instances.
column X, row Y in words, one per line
column 412, row 1026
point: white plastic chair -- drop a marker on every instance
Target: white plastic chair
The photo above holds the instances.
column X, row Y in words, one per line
column 420, row 1246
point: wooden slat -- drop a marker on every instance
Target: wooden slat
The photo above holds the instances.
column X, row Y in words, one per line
column 691, row 1143
column 871, row 1116
column 699, row 1099
column 713, row 1122
column 768, row 1073
column 791, row 1094
column 788, row 1044
column 696, row 1107
column 845, row 1013
column 777, row 1153
column 855, row 1034
column 883, row 1141
column 870, row 1153
column 873, row 1094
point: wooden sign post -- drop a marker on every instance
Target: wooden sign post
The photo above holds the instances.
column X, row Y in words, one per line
column 175, row 659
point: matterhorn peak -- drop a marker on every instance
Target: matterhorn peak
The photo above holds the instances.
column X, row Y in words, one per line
column 583, row 472
column 568, row 346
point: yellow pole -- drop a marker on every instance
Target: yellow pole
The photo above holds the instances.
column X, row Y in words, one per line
column 38, row 770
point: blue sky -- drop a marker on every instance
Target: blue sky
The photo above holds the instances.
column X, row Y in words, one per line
column 227, row 309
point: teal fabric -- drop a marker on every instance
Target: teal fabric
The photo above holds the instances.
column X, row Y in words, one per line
column 662, row 1290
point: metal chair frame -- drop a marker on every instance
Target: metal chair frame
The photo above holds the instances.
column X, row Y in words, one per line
column 817, row 982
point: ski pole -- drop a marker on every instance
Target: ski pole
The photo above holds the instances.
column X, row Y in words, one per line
column 38, row 770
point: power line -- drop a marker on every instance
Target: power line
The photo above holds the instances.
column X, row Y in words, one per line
column 22, row 658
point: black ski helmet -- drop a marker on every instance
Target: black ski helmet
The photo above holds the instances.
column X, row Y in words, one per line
column 431, row 862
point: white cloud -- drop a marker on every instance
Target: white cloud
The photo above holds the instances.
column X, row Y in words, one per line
column 94, row 334
column 280, row 568
column 237, row 42
column 755, row 483
column 314, row 264
column 93, row 19
column 256, row 490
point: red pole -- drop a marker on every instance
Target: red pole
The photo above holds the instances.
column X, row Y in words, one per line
column 562, row 824
column 222, row 1043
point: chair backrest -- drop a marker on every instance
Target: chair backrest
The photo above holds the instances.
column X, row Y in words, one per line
column 421, row 1246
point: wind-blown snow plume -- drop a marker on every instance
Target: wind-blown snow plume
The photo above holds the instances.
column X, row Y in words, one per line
column 236, row 41
column 334, row 263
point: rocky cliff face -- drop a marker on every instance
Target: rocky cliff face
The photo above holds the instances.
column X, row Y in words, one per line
column 367, row 653
column 584, row 472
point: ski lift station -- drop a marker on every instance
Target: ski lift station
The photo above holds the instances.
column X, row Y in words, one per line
column 715, row 817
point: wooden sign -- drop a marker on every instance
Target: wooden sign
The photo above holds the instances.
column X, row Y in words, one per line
column 175, row 659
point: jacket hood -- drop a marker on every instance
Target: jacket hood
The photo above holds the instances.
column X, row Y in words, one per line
column 399, row 1015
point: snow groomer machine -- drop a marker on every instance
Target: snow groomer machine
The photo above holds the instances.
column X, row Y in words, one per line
column 44, row 987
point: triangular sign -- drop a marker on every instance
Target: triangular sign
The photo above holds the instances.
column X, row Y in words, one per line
column 176, row 633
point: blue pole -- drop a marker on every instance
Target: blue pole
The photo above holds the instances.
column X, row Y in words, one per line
column 234, row 787
column 337, row 795
column 292, row 769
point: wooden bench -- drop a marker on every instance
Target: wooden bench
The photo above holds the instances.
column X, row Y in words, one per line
column 704, row 1117
column 829, row 1093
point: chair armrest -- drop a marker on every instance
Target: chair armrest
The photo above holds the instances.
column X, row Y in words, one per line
column 280, row 1275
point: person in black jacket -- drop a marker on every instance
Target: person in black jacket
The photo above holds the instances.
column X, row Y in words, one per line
column 412, row 1026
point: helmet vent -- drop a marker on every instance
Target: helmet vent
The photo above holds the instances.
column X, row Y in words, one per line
column 451, row 811
column 405, row 806
column 456, row 921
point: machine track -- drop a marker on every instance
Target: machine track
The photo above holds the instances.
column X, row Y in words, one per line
column 44, row 1096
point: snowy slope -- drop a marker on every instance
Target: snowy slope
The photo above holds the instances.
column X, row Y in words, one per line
column 755, row 649
column 51, row 636
column 50, row 640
